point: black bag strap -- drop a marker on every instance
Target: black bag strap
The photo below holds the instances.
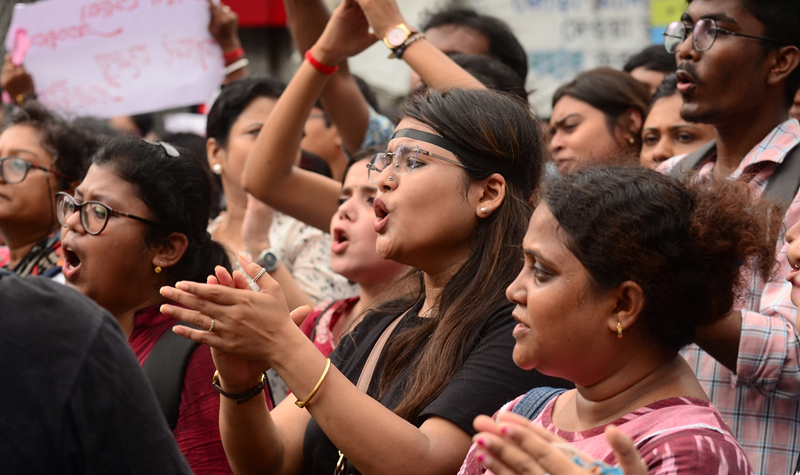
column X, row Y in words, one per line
column 782, row 186
column 534, row 401
column 165, row 367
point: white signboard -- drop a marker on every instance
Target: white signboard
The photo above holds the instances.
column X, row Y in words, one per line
column 105, row 58
column 560, row 37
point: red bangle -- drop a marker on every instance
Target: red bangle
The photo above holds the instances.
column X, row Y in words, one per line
column 233, row 56
column 324, row 69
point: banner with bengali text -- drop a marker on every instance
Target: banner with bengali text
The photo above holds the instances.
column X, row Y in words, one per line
column 118, row 57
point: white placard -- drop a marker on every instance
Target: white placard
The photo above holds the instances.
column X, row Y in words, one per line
column 105, row 58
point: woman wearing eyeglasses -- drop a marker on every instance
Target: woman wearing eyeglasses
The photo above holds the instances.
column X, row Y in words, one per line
column 453, row 196
column 137, row 222
column 40, row 155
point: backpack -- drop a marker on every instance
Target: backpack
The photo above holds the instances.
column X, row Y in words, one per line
column 165, row 368
column 534, row 401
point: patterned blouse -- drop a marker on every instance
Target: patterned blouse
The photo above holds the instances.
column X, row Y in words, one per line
column 44, row 259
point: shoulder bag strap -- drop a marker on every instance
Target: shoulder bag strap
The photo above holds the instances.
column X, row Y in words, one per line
column 375, row 354
column 534, row 401
column 785, row 181
column 165, row 367
column 693, row 160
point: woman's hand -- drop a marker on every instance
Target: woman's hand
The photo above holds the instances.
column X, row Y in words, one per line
column 15, row 80
column 224, row 26
column 346, row 34
column 249, row 326
column 383, row 15
column 512, row 445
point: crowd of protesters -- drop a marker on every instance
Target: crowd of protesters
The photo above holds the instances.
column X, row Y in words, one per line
column 453, row 286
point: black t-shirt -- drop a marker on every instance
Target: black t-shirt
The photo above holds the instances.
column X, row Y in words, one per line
column 487, row 380
column 75, row 400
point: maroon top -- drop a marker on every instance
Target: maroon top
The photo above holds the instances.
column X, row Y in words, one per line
column 197, row 430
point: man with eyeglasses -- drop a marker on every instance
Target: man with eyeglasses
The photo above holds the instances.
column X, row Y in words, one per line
column 738, row 70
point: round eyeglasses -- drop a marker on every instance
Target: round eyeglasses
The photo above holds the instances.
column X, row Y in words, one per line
column 405, row 161
column 94, row 214
column 704, row 33
column 13, row 170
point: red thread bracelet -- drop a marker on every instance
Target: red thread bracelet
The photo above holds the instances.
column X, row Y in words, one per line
column 324, row 69
column 233, row 56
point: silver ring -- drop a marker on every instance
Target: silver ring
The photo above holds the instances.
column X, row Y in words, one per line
column 263, row 271
column 211, row 328
column 391, row 178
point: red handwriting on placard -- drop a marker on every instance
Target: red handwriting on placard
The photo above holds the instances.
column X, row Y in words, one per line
column 61, row 96
column 188, row 49
column 107, row 8
column 52, row 38
column 169, row 3
column 114, row 63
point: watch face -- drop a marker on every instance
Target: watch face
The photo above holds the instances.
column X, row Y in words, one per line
column 268, row 260
column 396, row 36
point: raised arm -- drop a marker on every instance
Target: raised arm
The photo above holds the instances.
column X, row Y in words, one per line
column 341, row 97
column 270, row 174
column 224, row 27
column 434, row 67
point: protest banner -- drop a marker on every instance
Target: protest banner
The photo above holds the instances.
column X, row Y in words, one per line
column 105, row 58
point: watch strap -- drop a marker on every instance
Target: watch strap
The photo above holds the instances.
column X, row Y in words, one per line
column 400, row 50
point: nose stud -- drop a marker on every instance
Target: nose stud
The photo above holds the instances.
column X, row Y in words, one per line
column 391, row 178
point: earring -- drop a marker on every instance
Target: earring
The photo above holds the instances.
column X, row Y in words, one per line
column 158, row 269
column 631, row 140
column 485, row 210
column 217, row 169
column 619, row 330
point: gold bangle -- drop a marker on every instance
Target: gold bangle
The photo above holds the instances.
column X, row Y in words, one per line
column 302, row 404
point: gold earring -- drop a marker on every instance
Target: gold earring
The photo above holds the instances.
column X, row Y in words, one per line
column 158, row 269
column 619, row 330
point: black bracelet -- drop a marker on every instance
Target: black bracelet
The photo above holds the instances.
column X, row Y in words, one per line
column 240, row 398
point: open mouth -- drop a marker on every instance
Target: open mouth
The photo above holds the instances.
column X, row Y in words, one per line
column 71, row 262
column 685, row 81
column 339, row 241
column 381, row 215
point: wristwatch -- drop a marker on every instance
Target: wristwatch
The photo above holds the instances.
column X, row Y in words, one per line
column 268, row 259
column 396, row 36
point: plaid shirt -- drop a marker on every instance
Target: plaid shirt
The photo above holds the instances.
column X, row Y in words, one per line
column 761, row 402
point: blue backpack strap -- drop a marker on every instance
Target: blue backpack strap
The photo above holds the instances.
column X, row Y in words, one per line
column 534, row 401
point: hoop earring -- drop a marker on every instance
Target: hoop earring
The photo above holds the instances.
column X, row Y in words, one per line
column 158, row 269
column 619, row 330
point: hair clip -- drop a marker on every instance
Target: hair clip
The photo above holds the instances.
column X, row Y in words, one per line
column 168, row 148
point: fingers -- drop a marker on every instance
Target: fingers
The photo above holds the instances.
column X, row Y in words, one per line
column 211, row 280
column 625, row 451
column 223, row 277
column 532, row 441
column 203, row 337
column 240, row 280
column 502, row 456
column 192, row 317
column 208, row 299
column 252, row 269
column 299, row 314
column 486, row 424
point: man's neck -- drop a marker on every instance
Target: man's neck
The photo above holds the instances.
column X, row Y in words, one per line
column 736, row 138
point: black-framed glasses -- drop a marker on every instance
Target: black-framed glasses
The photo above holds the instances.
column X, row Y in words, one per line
column 13, row 170
column 405, row 161
column 704, row 33
column 94, row 214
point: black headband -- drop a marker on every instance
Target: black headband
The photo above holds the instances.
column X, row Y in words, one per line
column 463, row 154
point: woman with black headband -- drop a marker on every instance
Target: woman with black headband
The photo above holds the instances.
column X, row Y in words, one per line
column 453, row 198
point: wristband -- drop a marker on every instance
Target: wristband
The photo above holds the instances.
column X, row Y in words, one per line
column 240, row 398
column 233, row 56
column 242, row 63
column 324, row 69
